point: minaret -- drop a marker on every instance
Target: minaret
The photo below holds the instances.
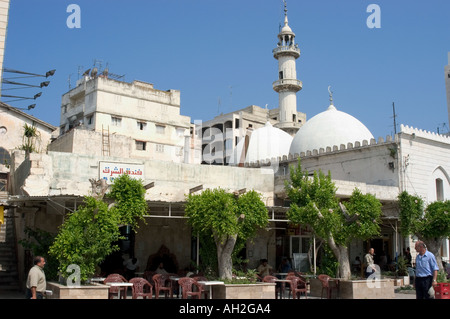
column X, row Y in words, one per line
column 287, row 85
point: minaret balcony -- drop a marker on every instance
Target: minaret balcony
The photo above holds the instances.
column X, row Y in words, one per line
column 286, row 50
column 287, row 85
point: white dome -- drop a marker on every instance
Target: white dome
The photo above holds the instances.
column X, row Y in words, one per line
column 329, row 128
column 265, row 143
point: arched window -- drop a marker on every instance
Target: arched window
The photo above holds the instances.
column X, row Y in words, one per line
column 439, row 189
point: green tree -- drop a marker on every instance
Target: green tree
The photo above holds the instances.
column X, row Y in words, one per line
column 30, row 137
column 431, row 224
column 85, row 238
column 128, row 195
column 88, row 235
column 314, row 203
column 38, row 242
column 226, row 217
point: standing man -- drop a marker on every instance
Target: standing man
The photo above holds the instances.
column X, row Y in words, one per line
column 426, row 270
column 36, row 283
column 369, row 263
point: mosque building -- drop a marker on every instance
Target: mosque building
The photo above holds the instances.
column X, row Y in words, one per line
column 168, row 153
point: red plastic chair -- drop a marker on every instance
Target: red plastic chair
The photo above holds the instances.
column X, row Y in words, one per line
column 273, row 279
column 141, row 288
column 298, row 286
column 115, row 290
column 187, row 284
column 202, row 278
column 162, row 283
column 325, row 280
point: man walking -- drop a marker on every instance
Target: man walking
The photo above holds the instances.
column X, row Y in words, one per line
column 369, row 263
column 36, row 283
column 426, row 270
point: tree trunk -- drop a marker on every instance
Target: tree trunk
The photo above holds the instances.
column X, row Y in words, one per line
column 225, row 248
column 344, row 263
column 434, row 245
column 341, row 253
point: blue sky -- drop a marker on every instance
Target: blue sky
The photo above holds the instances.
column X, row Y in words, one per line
column 219, row 54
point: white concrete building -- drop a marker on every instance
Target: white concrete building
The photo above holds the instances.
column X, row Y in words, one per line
column 126, row 119
column 12, row 122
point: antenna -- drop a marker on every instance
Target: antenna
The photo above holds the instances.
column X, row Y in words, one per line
column 395, row 117
column 443, row 126
column 68, row 80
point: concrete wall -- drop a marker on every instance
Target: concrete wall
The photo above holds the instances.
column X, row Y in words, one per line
column 63, row 173
column 12, row 130
column 370, row 166
column 424, row 156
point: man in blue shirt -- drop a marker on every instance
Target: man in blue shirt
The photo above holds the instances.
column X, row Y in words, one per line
column 426, row 270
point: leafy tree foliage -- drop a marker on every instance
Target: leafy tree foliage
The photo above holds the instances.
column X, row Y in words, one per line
column 88, row 235
column 129, row 200
column 226, row 217
column 314, row 203
column 430, row 224
column 85, row 238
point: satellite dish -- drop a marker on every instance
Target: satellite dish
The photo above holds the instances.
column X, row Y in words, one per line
column 86, row 73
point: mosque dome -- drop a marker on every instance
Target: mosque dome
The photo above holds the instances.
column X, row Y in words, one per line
column 264, row 143
column 329, row 128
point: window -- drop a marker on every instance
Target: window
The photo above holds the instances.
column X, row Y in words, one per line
column 141, row 145
column 439, row 189
column 294, row 118
column 280, row 75
column 160, row 129
column 3, row 130
column 116, row 121
column 90, row 120
column 141, row 125
column 180, row 132
column 160, row 148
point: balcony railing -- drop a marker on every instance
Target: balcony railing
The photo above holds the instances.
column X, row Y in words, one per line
column 287, row 84
column 292, row 49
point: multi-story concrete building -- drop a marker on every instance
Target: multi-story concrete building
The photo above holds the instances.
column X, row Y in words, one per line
column 125, row 119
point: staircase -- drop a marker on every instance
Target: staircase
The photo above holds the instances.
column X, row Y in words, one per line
column 9, row 275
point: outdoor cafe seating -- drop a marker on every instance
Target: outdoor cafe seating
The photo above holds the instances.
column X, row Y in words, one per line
column 187, row 285
column 116, row 290
column 298, row 286
column 205, row 292
column 275, row 280
column 163, row 284
column 141, row 288
column 326, row 286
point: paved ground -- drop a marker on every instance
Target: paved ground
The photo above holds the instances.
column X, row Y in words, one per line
column 20, row 295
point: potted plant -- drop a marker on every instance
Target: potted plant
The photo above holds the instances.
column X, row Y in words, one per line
column 402, row 270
